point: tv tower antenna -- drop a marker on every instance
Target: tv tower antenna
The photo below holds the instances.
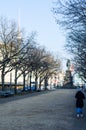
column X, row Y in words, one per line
column 19, row 33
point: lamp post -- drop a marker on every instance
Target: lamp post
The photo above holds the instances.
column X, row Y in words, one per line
column 10, row 72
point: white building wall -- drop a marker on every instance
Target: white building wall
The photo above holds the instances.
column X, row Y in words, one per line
column 10, row 77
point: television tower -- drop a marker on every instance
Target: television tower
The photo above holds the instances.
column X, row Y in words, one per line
column 19, row 38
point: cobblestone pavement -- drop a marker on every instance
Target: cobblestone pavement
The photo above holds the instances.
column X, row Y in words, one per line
column 54, row 110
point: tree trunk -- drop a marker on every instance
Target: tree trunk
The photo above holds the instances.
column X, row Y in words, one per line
column 36, row 77
column 46, row 83
column 3, row 77
column 15, row 80
column 40, row 83
column 24, row 81
column 30, row 80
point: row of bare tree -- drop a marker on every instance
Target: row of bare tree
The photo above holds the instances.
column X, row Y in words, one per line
column 24, row 55
column 71, row 15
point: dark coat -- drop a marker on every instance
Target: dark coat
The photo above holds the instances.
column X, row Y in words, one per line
column 79, row 99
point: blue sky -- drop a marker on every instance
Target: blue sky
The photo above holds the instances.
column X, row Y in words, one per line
column 36, row 15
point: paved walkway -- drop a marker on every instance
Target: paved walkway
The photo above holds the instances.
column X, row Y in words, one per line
column 54, row 110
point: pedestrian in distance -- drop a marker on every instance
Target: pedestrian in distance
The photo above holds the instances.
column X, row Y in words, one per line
column 80, row 96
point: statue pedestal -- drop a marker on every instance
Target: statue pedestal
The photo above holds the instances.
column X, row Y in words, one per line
column 68, row 79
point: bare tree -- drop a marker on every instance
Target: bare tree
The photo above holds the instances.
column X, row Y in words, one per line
column 41, row 63
column 8, row 37
column 77, row 46
column 71, row 14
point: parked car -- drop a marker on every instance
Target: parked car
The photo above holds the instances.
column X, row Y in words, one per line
column 27, row 88
column 6, row 93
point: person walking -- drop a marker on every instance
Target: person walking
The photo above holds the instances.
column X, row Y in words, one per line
column 80, row 96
